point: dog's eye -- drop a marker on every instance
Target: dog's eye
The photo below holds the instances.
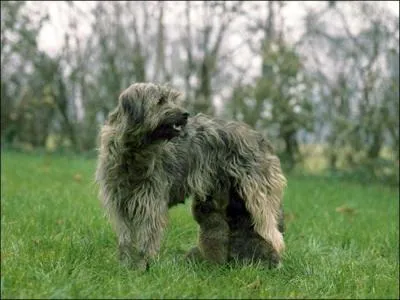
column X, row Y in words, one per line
column 162, row 100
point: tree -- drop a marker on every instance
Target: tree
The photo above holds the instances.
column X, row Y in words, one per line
column 353, row 78
column 279, row 101
column 20, row 26
column 207, row 42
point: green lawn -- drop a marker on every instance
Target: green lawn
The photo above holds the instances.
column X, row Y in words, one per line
column 342, row 242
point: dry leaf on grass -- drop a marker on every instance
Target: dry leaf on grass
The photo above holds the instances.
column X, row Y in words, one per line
column 78, row 177
column 289, row 217
column 344, row 209
column 254, row 285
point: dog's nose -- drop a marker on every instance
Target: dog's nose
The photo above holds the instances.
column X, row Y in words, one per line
column 186, row 115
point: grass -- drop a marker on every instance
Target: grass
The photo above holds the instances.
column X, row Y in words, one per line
column 342, row 242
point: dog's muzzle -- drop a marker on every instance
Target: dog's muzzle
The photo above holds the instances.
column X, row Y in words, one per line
column 173, row 126
column 180, row 123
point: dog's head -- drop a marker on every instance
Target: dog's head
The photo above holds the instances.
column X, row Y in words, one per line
column 150, row 110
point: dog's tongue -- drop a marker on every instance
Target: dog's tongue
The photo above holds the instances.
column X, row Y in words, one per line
column 177, row 127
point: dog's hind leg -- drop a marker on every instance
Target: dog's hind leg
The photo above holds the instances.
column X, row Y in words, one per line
column 214, row 231
column 246, row 245
column 262, row 195
column 265, row 215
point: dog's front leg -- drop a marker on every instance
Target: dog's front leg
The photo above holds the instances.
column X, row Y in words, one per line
column 130, row 254
column 140, row 228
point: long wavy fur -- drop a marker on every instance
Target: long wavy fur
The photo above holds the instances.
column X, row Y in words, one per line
column 141, row 174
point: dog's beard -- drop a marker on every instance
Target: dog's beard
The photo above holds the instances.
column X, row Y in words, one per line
column 171, row 127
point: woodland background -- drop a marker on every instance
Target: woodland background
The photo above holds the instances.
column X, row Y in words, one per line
column 325, row 89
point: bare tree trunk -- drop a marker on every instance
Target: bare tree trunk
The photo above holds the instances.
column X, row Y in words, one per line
column 291, row 147
column 190, row 65
column 139, row 59
column 203, row 101
column 62, row 105
column 208, row 64
column 160, row 73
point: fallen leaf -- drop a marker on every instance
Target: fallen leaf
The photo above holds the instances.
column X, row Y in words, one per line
column 254, row 285
column 344, row 209
column 78, row 177
column 289, row 217
column 3, row 256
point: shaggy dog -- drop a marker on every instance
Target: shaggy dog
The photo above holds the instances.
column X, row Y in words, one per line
column 152, row 156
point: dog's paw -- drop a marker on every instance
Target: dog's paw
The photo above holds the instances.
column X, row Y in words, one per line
column 274, row 261
column 134, row 262
column 139, row 265
column 193, row 255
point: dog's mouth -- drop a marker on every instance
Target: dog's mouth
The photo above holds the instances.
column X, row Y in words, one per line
column 171, row 128
column 179, row 125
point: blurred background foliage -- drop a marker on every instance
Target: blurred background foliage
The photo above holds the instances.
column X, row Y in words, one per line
column 327, row 96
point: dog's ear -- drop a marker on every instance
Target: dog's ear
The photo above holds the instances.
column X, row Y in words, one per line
column 124, row 101
column 133, row 110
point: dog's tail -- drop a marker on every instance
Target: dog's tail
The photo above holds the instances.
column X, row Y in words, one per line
column 262, row 193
